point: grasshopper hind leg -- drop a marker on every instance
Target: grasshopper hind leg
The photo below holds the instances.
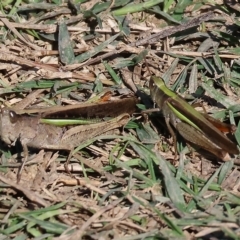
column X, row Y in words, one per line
column 66, row 164
column 25, row 152
column 170, row 129
column 194, row 136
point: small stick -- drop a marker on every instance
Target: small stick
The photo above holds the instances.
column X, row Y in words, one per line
column 170, row 31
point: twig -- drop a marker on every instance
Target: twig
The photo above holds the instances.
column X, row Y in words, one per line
column 170, row 31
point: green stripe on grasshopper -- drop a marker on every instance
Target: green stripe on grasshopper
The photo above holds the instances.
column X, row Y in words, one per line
column 65, row 122
column 182, row 117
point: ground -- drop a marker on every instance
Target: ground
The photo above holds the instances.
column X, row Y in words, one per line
column 123, row 180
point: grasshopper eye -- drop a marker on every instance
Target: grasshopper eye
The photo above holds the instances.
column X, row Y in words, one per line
column 13, row 117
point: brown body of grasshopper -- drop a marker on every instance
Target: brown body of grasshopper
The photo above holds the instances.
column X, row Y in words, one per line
column 32, row 133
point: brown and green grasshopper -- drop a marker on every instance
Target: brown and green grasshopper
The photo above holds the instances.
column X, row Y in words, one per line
column 195, row 127
column 34, row 132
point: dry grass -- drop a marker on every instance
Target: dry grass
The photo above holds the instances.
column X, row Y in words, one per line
column 123, row 185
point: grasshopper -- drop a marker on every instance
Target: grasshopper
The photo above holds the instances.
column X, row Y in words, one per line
column 33, row 132
column 197, row 128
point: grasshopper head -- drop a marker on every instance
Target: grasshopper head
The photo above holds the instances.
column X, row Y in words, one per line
column 153, row 89
column 157, row 91
column 6, row 125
